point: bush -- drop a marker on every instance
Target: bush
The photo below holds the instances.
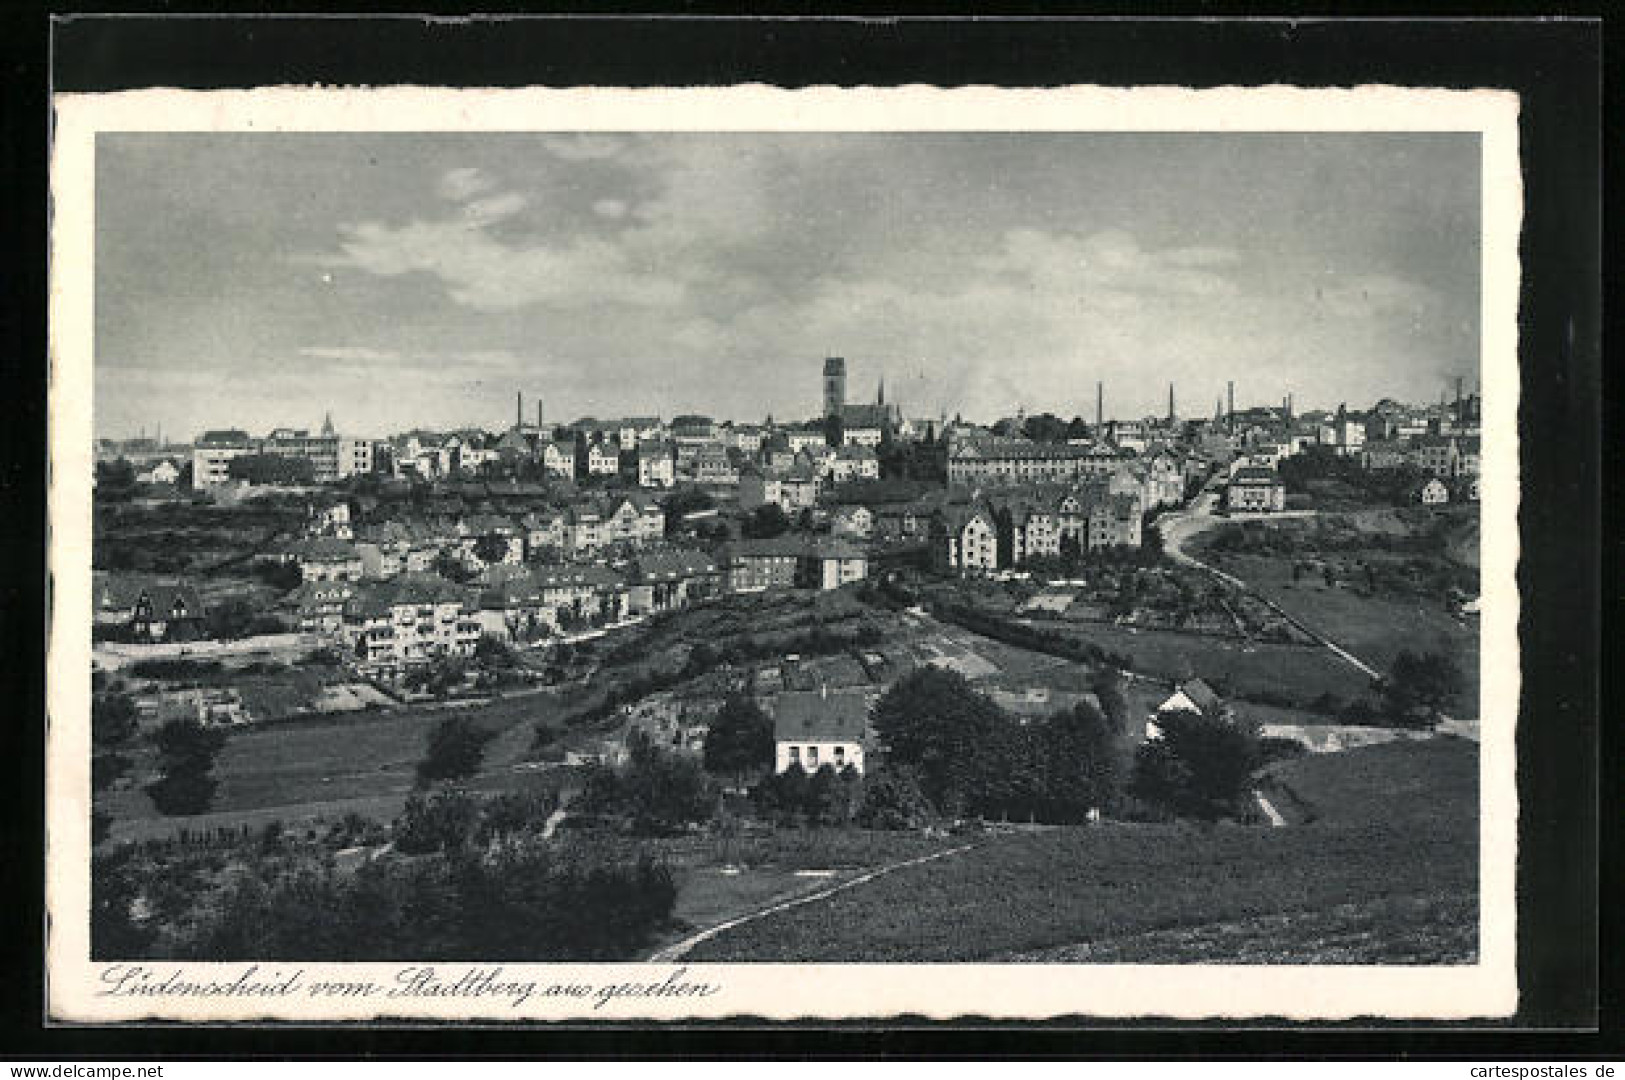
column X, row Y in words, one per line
column 455, row 751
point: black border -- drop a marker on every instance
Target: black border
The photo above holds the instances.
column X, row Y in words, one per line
column 1554, row 65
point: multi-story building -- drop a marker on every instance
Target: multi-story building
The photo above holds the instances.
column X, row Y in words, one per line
column 411, row 620
column 854, row 462
column 793, row 562
column 656, row 467
column 1255, row 490
column 213, row 454
column 965, row 539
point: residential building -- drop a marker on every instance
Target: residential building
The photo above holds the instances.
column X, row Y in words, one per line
column 318, row 606
column 656, row 465
column 852, row 521
column 1431, row 492
column 168, row 613
column 326, row 558
column 965, row 539
column 854, row 462
column 410, row 620
column 213, row 454
column 1190, row 696
column 664, row 580
column 815, row 728
column 1254, row 490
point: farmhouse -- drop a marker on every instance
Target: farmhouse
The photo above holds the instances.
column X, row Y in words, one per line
column 814, row 728
column 1193, row 696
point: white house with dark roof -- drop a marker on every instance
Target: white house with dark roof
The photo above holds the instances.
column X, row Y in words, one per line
column 1192, row 696
column 814, row 728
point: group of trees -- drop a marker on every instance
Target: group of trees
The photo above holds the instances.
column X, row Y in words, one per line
column 765, row 522
column 1421, row 688
column 465, row 899
column 970, row 758
column 652, row 794
column 186, row 754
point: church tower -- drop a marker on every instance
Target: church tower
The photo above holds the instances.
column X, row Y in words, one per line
column 834, row 386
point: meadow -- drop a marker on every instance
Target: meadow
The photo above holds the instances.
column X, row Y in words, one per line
column 1034, row 892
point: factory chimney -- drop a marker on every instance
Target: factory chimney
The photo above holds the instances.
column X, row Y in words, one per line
column 1460, row 416
column 539, row 414
column 519, row 408
column 1100, row 405
column 1170, row 403
column 1230, row 395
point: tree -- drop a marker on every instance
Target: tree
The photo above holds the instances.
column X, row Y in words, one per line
column 491, row 548
column 444, row 822
column 456, row 750
column 765, row 522
column 186, row 751
column 112, row 719
column 951, row 738
column 1108, row 688
column 1078, row 762
column 493, row 653
column 1201, row 767
column 449, row 566
column 1421, row 687
column 892, row 800
column 740, row 739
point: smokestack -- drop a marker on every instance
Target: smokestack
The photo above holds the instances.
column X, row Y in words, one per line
column 1100, row 404
column 1459, row 381
column 539, row 414
column 1170, row 403
column 519, row 408
column 1230, row 393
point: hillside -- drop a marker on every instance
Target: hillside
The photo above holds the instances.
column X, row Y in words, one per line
column 1387, row 870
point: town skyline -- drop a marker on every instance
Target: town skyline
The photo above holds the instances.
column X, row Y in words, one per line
column 417, row 281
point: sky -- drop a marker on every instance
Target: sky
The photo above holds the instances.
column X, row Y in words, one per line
column 406, row 280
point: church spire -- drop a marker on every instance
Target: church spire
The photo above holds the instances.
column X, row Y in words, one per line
column 327, row 424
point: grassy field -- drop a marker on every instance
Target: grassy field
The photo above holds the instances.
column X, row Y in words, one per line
column 1325, row 883
column 1373, row 628
column 1300, row 670
column 1435, row 929
column 363, row 763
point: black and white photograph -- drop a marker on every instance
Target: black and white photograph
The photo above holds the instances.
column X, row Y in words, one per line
column 530, row 561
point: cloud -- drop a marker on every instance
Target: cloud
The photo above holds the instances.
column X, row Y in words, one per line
column 609, row 208
column 486, row 274
column 583, row 147
column 347, row 353
column 460, row 185
column 485, row 211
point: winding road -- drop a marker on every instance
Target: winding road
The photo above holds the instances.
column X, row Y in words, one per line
column 1181, row 525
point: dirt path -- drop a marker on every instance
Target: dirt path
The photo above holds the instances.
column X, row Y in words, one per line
column 1276, row 820
column 680, row 949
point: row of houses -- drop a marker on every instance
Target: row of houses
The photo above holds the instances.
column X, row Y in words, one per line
column 388, row 549
column 419, row 616
column 691, row 449
column 1001, row 529
column 1447, row 457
